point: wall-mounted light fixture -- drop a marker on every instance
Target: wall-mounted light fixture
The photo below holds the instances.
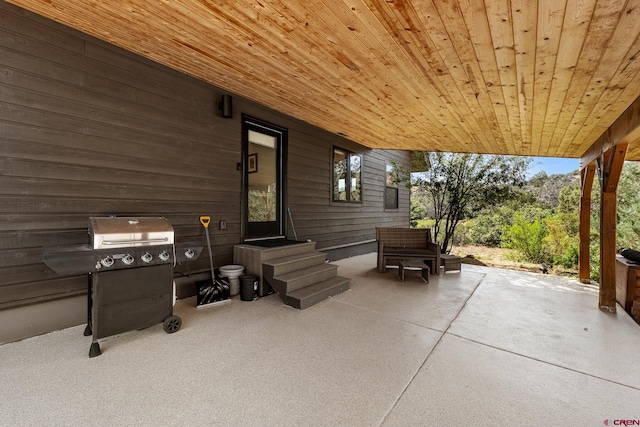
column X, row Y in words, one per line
column 225, row 106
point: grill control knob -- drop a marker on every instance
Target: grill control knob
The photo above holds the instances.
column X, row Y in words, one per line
column 164, row 255
column 128, row 259
column 189, row 253
column 107, row 262
column 147, row 257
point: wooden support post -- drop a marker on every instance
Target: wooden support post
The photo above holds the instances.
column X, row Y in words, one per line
column 586, row 181
column 607, row 300
column 609, row 168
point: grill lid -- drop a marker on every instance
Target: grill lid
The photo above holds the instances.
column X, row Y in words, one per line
column 126, row 232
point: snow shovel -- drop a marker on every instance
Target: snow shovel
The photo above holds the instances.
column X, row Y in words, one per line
column 205, row 220
column 210, row 292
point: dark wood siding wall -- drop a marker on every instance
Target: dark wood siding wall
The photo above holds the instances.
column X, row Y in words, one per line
column 88, row 129
column 330, row 223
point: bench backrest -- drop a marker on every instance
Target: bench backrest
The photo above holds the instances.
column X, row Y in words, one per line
column 404, row 237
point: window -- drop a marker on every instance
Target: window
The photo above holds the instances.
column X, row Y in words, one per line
column 391, row 188
column 347, row 176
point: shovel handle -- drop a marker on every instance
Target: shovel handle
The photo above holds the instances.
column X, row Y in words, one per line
column 205, row 220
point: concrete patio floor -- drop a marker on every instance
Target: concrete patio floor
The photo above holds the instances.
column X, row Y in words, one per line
column 478, row 347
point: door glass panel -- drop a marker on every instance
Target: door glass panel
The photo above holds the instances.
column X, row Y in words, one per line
column 339, row 175
column 355, row 169
column 347, row 176
column 262, row 177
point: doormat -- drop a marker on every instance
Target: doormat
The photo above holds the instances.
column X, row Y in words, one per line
column 273, row 243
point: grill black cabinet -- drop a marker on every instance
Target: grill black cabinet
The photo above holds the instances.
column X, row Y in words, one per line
column 127, row 300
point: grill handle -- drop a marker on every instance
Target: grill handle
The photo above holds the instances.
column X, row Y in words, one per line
column 120, row 242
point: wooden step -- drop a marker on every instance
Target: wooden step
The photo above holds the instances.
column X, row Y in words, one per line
column 284, row 251
column 253, row 257
column 293, row 280
column 310, row 295
column 278, row 266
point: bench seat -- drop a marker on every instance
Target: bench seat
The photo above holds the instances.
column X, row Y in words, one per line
column 396, row 244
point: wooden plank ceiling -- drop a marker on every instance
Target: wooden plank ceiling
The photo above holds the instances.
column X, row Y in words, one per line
column 543, row 78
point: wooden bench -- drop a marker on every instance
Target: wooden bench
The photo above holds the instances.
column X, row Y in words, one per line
column 451, row 262
column 396, row 244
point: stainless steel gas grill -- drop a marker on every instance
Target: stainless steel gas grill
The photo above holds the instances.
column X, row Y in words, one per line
column 130, row 263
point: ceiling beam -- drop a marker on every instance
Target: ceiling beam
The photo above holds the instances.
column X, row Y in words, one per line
column 626, row 129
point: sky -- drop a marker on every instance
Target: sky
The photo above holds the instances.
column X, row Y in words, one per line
column 552, row 165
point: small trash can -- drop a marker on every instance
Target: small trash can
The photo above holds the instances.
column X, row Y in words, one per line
column 248, row 287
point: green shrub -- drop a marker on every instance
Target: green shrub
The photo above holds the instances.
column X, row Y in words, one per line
column 527, row 237
column 594, row 261
column 423, row 223
column 561, row 241
column 569, row 259
column 418, row 213
column 462, row 234
column 487, row 229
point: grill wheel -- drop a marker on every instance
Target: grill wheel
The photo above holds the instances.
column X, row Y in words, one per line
column 172, row 324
